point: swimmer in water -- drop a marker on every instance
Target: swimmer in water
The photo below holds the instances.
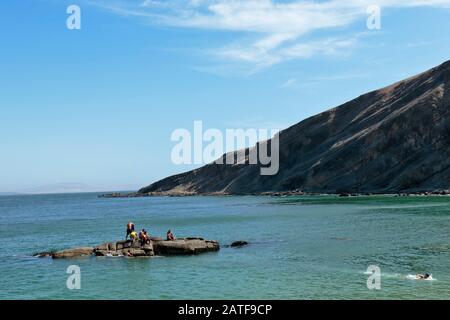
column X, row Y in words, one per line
column 425, row 276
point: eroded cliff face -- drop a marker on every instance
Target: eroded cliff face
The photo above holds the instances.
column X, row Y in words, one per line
column 396, row 139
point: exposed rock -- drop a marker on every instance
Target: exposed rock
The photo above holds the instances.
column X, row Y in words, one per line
column 134, row 252
column 157, row 246
column 124, row 248
column 184, row 246
column 73, row 253
column 392, row 140
column 239, row 243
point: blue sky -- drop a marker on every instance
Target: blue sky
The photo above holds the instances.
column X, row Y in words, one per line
column 97, row 106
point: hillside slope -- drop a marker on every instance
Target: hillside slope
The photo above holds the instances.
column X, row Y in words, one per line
column 396, row 139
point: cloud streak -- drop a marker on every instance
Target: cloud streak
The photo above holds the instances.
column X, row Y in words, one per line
column 277, row 28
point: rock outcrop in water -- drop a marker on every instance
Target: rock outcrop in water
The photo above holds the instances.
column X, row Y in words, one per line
column 239, row 243
column 157, row 246
column 392, row 140
column 73, row 253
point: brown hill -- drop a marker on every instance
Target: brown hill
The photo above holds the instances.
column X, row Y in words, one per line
column 396, row 139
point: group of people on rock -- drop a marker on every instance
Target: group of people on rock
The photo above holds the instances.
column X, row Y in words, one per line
column 144, row 236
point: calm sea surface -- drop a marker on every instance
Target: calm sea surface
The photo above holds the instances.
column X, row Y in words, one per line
column 301, row 247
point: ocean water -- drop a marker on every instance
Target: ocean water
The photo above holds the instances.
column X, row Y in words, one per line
column 300, row 247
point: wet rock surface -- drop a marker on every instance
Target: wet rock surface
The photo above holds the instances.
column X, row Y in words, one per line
column 73, row 253
column 184, row 246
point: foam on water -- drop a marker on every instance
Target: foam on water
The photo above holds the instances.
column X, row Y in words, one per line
column 414, row 277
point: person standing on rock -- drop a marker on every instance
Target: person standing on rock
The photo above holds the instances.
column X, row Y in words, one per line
column 133, row 236
column 130, row 229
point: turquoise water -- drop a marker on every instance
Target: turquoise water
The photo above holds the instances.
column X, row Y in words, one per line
column 301, row 247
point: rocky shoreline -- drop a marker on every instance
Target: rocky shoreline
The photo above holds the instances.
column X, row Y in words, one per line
column 273, row 194
column 129, row 248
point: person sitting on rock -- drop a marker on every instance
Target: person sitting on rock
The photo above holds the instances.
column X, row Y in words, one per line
column 130, row 229
column 143, row 236
column 170, row 236
column 146, row 237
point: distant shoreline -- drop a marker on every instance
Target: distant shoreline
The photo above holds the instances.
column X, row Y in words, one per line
column 13, row 194
column 131, row 194
column 270, row 194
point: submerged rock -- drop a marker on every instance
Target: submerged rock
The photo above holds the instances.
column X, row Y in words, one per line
column 239, row 243
column 344, row 195
column 43, row 254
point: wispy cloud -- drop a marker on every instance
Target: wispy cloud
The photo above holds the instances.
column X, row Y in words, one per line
column 289, row 83
column 263, row 57
column 295, row 83
column 345, row 76
column 277, row 28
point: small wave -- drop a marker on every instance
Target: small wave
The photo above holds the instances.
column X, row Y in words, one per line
column 385, row 275
column 400, row 276
column 109, row 255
